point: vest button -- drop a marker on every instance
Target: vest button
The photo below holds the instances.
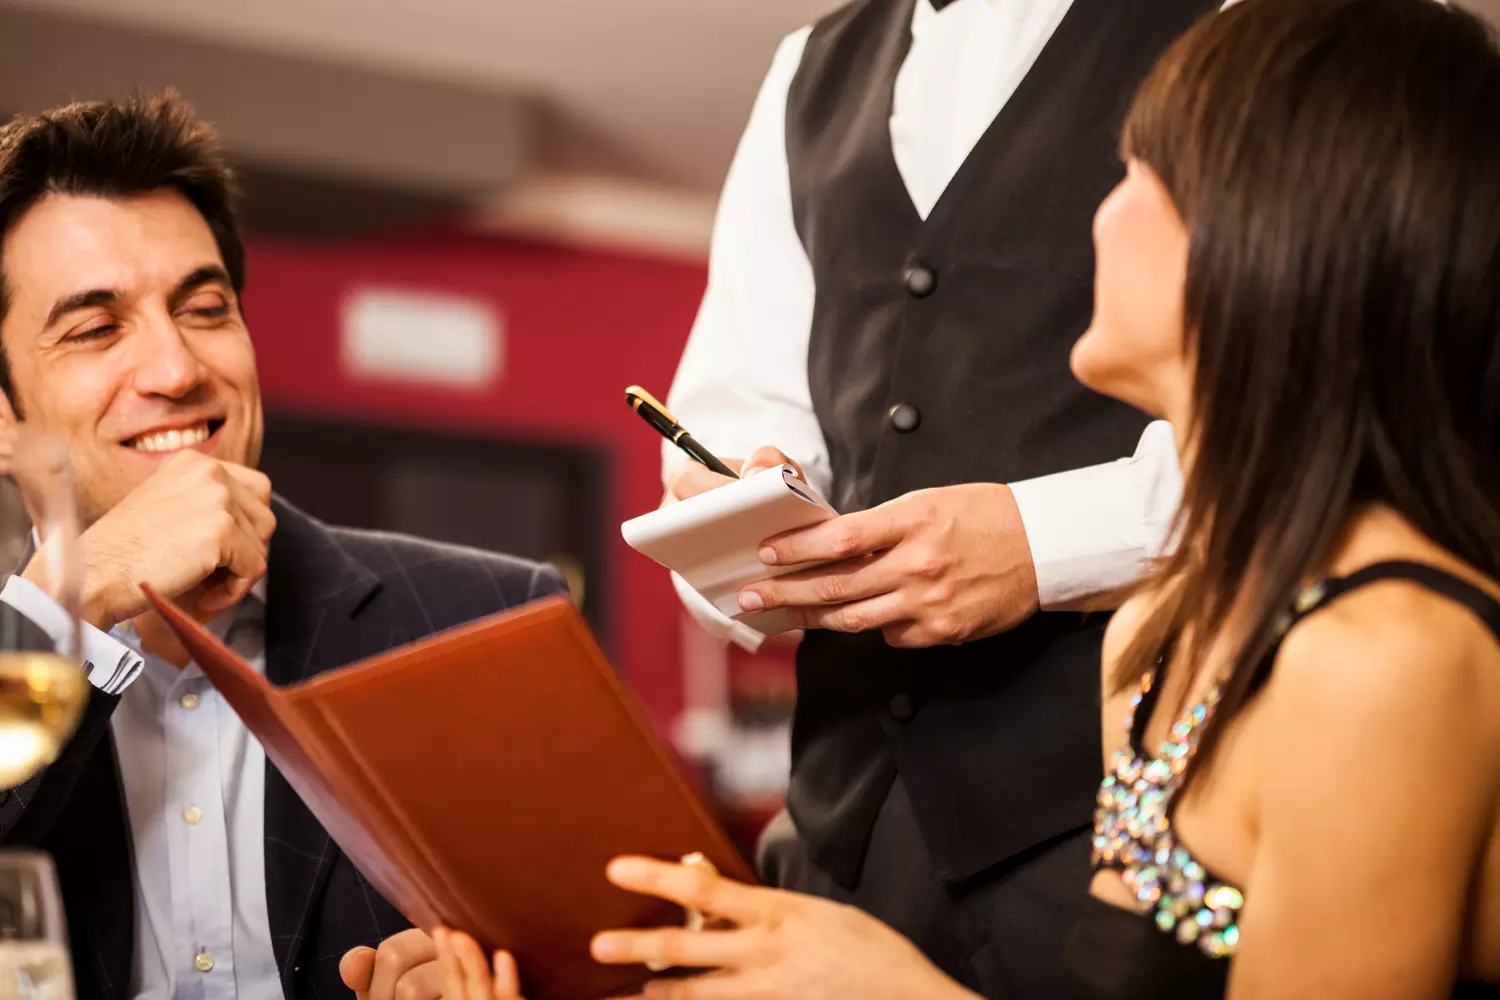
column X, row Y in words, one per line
column 905, row 418
column 903, row 709
column 921, row 281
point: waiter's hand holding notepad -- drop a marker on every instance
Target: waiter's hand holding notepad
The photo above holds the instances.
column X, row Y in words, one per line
column 481, row 779
column 713, row 540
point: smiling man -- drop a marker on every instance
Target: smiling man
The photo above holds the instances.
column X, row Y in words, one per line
column 189, row 867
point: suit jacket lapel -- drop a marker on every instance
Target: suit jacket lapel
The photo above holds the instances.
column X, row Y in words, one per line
column 314, row 596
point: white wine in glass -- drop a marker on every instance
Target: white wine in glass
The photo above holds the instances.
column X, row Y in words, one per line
column 43, row 689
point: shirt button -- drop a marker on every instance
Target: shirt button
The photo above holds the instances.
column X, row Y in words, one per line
column 903, row 709
column 192, row 815
column 203, row 962
column 905, row 417
column 188, row 701
column 921, row 281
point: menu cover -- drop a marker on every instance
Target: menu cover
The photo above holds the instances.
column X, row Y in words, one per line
column 481, row 779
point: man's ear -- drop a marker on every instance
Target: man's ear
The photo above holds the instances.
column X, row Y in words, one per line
column 10, row 411
column 8, row 417
column 10, row 425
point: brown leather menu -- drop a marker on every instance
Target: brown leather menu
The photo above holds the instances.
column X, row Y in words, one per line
column 481, row 779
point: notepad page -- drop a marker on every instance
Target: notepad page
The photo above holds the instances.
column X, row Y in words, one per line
column 713, row 540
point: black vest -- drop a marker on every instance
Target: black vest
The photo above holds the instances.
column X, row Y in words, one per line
column 939, row 355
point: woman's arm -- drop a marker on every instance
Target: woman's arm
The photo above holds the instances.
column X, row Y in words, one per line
column 781, row 945
column 1378, row 790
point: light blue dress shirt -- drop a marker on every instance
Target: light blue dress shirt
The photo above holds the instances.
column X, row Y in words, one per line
column 194, row 783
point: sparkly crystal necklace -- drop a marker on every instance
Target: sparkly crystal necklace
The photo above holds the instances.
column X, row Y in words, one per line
column 1133, row 824
column 1133, row 833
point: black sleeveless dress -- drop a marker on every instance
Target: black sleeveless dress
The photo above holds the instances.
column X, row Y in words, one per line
column 1179, row 942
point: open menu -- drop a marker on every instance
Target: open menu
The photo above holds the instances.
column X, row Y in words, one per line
column 481, row 779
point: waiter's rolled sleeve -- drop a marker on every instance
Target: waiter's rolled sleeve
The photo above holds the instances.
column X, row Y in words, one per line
column 715, row 622
column 1098, row 529
column 742, row 382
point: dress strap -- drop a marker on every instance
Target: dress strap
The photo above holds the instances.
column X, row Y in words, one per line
column 1320, row 595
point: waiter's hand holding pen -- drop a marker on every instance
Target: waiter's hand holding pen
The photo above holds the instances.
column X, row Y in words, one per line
column 690, row 479
column 934, row 567
column 706, row 471
column 699, row 476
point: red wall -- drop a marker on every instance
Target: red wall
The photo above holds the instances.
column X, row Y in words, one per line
column 579, row 327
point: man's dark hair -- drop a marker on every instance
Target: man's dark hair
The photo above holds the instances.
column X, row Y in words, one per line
column 117, row 149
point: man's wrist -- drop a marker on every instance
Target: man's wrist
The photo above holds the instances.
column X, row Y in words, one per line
column 95, row 610
column 94, row 606
column 1019, row 558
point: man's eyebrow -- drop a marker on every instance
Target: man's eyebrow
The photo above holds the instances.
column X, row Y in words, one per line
column 207, row 275
column 81, row 300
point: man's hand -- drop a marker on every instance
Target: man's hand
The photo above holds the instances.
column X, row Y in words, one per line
column 468, row 976
column 691, row 479
column 935, row 567
column 404, row 967
column 197, row 527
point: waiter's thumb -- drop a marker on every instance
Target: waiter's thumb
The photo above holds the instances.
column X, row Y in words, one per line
column 767, row 458
column 357, row 970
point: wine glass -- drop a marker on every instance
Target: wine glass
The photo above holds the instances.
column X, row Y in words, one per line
column 43, row 691
column 43, row 688
column 34, row 963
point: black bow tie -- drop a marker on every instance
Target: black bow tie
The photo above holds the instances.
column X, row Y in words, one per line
column 939, row 4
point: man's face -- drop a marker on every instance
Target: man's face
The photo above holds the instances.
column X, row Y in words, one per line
column 125, row 340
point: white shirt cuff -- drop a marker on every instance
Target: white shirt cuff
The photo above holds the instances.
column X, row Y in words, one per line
column 715, row 622
column 1099, row 529
column 111, row 665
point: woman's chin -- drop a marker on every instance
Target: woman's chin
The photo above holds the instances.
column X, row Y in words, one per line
column 1109, row 374
column 1092, row 366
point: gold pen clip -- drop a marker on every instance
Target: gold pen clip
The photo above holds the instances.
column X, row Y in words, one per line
column 635, row 396
column 695, row 919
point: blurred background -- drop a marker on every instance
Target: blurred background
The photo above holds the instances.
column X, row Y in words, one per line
column 471, row 224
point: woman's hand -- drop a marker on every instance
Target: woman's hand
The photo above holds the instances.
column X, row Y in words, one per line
column 782, row 945
column 466, row 975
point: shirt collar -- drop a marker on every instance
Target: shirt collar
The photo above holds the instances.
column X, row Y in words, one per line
column 252, row 609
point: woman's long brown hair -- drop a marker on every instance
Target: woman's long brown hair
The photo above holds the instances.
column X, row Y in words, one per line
column 1337, row 163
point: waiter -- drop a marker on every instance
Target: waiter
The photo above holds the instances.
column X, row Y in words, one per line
column 900, row 266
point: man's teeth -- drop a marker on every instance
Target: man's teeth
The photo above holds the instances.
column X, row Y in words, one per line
column 171, row 440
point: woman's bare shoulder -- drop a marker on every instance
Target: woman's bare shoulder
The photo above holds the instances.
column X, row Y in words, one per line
column 1392, row 656
column 1396, row 640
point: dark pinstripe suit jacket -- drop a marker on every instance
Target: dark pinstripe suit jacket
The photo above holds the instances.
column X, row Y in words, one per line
column 335, row 596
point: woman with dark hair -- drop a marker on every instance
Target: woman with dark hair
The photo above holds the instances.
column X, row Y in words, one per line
column 1302, row 708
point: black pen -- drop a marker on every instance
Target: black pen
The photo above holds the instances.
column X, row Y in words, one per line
column 666, row 425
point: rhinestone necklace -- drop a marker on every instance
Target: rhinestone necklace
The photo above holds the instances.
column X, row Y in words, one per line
column 1133, row 834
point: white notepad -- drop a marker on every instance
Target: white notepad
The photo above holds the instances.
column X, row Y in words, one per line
column 713, row 540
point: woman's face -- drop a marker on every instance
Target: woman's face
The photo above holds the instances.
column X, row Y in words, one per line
column 1135, row 349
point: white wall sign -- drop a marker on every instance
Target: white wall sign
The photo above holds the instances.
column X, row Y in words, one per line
column 393, row 335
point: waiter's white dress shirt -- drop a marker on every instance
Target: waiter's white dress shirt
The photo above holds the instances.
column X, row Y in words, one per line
column 742, row 381
column 194, row 784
